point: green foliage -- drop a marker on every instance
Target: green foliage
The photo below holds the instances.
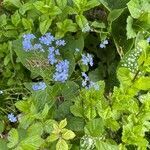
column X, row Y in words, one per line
column 69, row 115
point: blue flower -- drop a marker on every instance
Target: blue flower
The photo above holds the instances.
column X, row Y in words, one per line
column 47, row 39
column 87, row 59
column 38, row 47
column 12, row 118
column 87, row 83
column 27, row 45
column 60, row 43
column 52, row 55
column 148, row 39
column 61, row 73
column 39, row 86
column 103, row 44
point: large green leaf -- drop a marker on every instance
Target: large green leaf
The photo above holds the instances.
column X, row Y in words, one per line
column 105, row 146
column 114, row 4
column 138, row 7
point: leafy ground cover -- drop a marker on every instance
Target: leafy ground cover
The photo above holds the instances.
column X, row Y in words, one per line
column 74, row 74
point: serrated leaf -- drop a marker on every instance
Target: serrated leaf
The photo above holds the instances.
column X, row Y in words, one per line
column 53, row 137
column 61, row 145
column 105, row 146
column 137, row 7
column 63, row 123
column 67, row 134
column 15, row 18
column 45, row 25
column 13, row 138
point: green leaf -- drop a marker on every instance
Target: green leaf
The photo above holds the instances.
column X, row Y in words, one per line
column 91, row 4
column 62, row 4
column 3, row 144
column 15, row 18
column 12, row 3
column 95, row 127
column 3, row 20
column 67, row 134
column 27, row 23
column 13, row 138
column 2, row 126
column 105, row 146
column 48, row 125
column 35, row 129
column 61, row 145
column 130, row 31
column 81, row 21
column 32, row 142
column 63, row 123
column 53, row 137
column 45, row 25
column 138, row 7
column 114, row 4
column 114, row 14
column 143, row 83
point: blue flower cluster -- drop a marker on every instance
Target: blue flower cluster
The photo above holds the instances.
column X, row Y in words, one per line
column 62, row 69
column 87, row 83
column 87, row 59
column 12, row 118
column 39, row 86
column 103, row 44
column 49, row 42
column 27, row 45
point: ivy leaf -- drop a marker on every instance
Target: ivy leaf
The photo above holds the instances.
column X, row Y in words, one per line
column 67, row 134
column 61, row 145
column 13, row 138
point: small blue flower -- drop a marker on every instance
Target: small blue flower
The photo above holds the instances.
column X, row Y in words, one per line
column 27, row 45
column 103, row 44
column 47, row 39
column 148, row 39
column 12, row 118
column 60, row 43
column 85, row 76
column 38, row 47
column 39, row 86
column 57, row 52
column 87, row 59
column 62, row 69
column 51, row 56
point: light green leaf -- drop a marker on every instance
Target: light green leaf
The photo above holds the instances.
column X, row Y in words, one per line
column 62, row 4
column 95, row 127
column 105, row 146
column 143, row 83
column 53, row 137
column 61, row 145
column 138, row 7
column 67, row 134
column 63, row 123
column 130, row 30
column 15, row 18
column 45, row 25
column 13, row 138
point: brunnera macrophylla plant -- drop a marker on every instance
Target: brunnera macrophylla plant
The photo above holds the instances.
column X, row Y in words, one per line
column 88, row 86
